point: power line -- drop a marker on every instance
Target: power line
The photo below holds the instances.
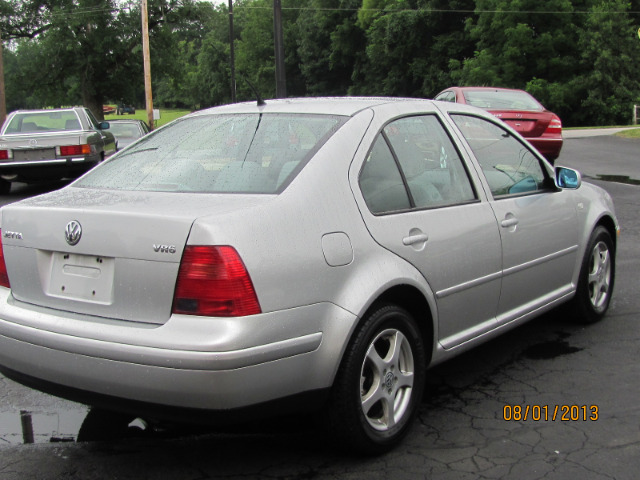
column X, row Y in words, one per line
column 88, row 11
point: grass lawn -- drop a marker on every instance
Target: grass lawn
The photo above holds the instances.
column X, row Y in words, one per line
column 631, row 133
column 166, row 116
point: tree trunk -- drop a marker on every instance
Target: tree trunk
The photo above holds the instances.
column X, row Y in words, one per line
column 92, row 100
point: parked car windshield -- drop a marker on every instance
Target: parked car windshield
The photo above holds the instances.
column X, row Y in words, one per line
column 53, row 121
column 502, row 100
column 241, row 153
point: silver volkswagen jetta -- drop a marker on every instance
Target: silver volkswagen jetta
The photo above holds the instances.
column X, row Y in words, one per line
column 313, row 253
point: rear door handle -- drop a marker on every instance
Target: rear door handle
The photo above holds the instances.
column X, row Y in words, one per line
column 509, row 221
column 413, row 239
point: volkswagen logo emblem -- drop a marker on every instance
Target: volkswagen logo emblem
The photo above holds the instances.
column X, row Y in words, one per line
column 73, row 232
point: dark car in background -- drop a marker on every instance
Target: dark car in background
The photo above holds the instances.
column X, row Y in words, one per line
column 128, row 131
column 124, row 108
column 48, row 145
column 520, row 110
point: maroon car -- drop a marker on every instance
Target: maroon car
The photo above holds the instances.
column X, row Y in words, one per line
column 542, row 128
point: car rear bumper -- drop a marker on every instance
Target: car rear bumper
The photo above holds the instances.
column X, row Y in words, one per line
column 548, row 147
column 47, row 169
column 189, row 362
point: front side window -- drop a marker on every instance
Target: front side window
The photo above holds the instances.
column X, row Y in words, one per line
column 92, row 120
column 414, row 164
column 235, row 153
column 508, row 164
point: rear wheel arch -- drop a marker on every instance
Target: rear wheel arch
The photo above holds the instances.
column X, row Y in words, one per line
column 378, row 387
column 415, row 303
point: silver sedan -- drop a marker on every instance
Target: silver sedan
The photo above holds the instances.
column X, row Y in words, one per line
column 303, row 254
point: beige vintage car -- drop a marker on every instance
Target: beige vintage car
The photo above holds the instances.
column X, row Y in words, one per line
column 42, row 145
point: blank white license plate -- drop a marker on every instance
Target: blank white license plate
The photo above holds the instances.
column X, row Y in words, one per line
column 81, row 277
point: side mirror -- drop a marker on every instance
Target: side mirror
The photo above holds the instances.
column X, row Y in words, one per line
column 568, row 178
column 103, row 125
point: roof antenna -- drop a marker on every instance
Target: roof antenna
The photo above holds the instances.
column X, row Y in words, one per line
column 261, row 102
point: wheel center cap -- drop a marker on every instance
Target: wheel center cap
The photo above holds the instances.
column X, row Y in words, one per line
column 388, row 380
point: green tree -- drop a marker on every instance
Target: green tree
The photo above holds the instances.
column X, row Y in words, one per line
column 329, row 45
column 610, row 84
column 255, row 54
column 517, row 40
column 89, row 51
column 410, row 47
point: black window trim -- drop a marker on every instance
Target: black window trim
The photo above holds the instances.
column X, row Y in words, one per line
column 548, row 182
column 412, row 204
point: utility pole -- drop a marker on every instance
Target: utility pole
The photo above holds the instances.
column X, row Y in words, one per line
column 281, row 81
column 232, row 59
column 147, row 63
column 3, row 98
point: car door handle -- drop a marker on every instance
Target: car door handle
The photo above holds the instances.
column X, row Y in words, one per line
column 509, row 221
column 413, row 239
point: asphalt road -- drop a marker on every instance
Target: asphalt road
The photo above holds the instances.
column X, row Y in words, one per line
column 589, row 376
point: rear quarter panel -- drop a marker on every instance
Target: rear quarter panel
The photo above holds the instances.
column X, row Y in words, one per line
column 281, row 241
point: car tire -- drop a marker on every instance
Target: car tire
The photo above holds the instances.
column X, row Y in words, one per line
column 106, row 425
column 597, row 274
column 379, row 384
column 5, row 186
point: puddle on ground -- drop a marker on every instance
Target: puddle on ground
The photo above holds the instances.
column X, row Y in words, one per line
column 618, row 179
column 550, row 349
column 40, row 427
column 83, row 425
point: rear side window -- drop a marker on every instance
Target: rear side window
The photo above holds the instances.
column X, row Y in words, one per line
column 502, row 100
column 414, row 164
column 237, row 153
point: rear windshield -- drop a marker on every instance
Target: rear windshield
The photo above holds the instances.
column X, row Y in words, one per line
column 240, row 153
column 54, row 121
column 502, row 100
column 125, row 129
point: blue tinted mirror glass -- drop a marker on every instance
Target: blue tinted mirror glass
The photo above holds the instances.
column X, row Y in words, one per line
column 567, row 178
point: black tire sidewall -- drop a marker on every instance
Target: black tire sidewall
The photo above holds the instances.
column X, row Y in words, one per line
column 348, row 419
column 584, row 310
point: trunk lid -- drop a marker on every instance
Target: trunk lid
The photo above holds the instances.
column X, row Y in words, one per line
column 37, row 146
column 125, row 263
column 527, row 123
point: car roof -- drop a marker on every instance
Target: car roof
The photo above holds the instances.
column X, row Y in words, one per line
column 489, row 89
column 347, row 106
column 46, row 110
column 125, row 120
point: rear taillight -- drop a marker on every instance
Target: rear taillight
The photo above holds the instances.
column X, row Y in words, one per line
column 4, row 277
column 555, row 125
column 5, row 154
column 213, row 281
column 68, row 150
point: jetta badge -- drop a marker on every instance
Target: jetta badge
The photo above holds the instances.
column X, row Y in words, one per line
column 73, row 232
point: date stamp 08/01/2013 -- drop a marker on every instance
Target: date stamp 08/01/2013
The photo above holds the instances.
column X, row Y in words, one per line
column 545, row 413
